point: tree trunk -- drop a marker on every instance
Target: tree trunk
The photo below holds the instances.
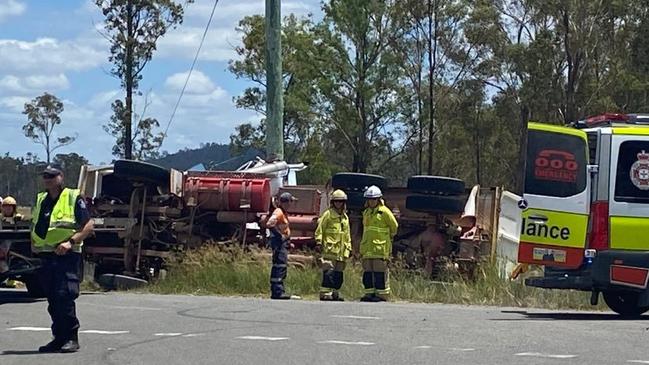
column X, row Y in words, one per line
column 522, row 150
column 478, row 173
column 128, row 76
column 47, row 148
column 570, row 112
column 420, row 110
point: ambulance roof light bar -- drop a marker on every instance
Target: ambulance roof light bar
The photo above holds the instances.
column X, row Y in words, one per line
column 608, row 119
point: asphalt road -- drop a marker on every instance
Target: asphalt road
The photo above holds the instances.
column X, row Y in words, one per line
column 153, row 329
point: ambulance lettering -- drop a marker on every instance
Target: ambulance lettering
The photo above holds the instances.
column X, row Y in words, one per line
column 534, row 229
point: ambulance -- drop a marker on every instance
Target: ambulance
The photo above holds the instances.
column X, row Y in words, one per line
column 585, row 209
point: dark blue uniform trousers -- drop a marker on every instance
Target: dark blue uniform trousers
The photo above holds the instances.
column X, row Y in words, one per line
column 280, row 262
column 60, row 277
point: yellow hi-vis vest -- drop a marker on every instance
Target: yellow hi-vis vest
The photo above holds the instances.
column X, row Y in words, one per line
column 62, row 222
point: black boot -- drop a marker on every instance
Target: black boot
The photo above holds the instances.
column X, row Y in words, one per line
column 336, row 297
column 286, row 297
column 368, row 298
column 70, row 346
column 54, row 346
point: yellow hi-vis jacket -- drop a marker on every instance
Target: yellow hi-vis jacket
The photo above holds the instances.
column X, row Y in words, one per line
column 379, row 227
column 334, row 235
column 62, row 222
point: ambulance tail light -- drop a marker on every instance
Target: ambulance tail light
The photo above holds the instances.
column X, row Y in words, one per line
column 599, row 233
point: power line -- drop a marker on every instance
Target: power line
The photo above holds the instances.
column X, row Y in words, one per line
column 191, row 69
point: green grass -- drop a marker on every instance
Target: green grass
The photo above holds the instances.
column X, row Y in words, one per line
column 233, row 272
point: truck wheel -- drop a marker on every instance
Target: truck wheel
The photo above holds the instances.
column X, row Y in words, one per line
column 436, row 204
column 34, row 287
column 351, row 181
column 624, row 303
column 355, row 200
column 142, row 172
column 437, row 185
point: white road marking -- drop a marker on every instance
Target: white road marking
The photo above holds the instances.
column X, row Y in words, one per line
column 99, row 332
column 44, row 329
column 451, row 349
column 638, row 361
column 336, row 342
column 355, row 317
column 193, row 335
column 547, row 356
column 173, row 334
column 263, row 338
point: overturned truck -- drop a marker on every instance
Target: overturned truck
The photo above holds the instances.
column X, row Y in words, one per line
column 144, row 214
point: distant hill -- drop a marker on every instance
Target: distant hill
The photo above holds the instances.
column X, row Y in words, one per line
column 213, row 156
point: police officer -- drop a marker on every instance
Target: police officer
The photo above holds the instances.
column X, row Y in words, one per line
column 379, row 227
column 334, row 240
column 60, row 223
column 280, row 235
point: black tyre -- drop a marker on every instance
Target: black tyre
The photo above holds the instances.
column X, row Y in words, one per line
column 116, row 187
column 34, row 287
column 436, row 185
column 351, row 181
column 435, row 204
column 142, row 172
column 355, row 200
column 624, row 303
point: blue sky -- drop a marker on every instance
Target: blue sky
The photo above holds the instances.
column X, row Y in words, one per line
column 55, row 46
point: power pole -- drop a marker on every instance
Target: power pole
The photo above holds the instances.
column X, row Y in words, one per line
column 274, row 87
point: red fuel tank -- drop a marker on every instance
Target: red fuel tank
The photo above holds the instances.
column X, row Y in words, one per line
column 228, row 192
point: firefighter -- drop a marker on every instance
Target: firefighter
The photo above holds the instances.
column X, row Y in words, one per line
column 60, row 223
column 9, row 214
column 334, row 241
column 280, row 235
column 8, row 217
column 379, row 228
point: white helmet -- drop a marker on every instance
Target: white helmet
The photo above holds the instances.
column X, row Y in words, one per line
column 373, row 192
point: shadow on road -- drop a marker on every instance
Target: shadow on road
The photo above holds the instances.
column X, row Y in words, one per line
column 16, row 296
column 20, row 352
column 572, row 316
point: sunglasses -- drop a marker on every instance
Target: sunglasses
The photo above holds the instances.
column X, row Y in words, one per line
column 49, row 176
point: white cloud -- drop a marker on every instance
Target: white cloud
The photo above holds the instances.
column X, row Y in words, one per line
column 235, row 11
column 220, row 41
column 33, row 84
column 218, row 46
column 14, row 103
column 198, row 82
column 48, row 54
column 9, row 8
column 206, row 113
column 104, row 99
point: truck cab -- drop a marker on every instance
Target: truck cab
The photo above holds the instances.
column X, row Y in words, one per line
column 586, row 209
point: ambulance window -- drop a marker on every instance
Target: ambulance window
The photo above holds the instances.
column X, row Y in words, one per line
column 556, row 164
column 632, row 175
